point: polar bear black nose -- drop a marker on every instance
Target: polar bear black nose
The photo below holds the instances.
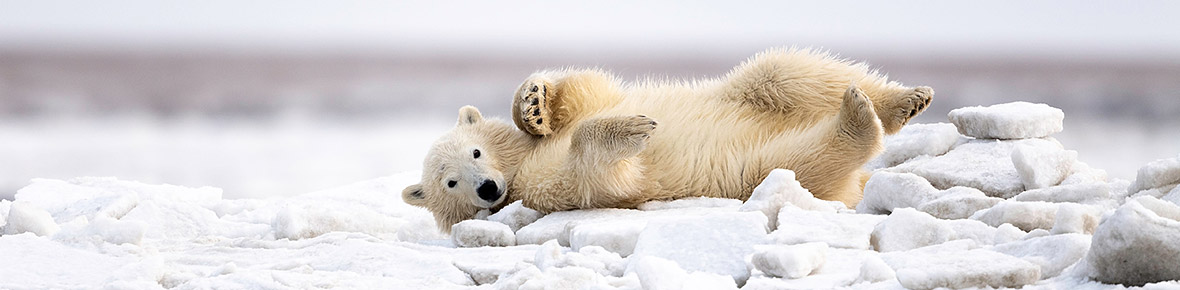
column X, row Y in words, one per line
column 488, row 191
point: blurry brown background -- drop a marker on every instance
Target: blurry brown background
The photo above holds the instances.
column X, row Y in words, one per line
column 274, row 98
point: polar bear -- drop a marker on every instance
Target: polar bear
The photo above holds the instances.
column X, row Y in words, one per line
column 583, row 139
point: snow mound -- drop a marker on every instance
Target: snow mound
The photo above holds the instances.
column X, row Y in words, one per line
column 689, row 202
column 1016, row 120
column 1137, row 245
column 791, row 262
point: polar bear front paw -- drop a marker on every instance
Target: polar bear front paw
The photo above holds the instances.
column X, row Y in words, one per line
column 632, row 132
column 908, row 105
column 531, row 107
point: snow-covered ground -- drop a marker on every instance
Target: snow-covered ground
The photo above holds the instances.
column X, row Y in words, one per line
column 942, row 210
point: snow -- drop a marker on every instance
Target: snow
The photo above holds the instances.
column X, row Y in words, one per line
column 940, row 210
column 1137, row 244
column 481, row 233
column 1016, row 120
column 715, row 243
column 793, row 262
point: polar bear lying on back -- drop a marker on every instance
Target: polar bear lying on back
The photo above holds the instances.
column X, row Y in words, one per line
column 583, row 139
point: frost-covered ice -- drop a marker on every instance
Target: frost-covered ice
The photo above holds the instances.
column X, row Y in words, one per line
column 956, row 265
column 982, row 164
column 780, row 188
column 481, row 233
column 916, row 140
column 716, row 243
column 940, row 210
column 1041, row 167
column 1137, row 245
column 1016, row 120
column 1159, row 173
column 793, row 262
column 515, row 215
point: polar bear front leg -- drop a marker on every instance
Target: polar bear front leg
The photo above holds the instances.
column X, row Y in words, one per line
column 604, row 160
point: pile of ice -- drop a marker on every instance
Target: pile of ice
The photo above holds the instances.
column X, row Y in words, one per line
column 1000, row 205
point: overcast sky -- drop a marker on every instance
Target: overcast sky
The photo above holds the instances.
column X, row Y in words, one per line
column 1134, row 28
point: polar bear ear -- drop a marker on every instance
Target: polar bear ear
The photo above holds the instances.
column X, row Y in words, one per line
column 413, row 195
column 469, row 115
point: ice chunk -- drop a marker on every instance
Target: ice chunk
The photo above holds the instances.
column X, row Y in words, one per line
column 954, row 265
column 1041, row 167
column 614, row 236
column 690, row 202
column 24, row 217
column 875, row 270
column 1026, row 215
column 553, row 255
column 915, row 140
column 1083, row 173
column 779, row 188
column 716, row 243
column 658, row 274
column 1088, row 193
column 1052, row 253
column 836, row 229
column 516, row 216
column 907, row 228
column 790, row 262
column 1075, row 218
column 886, row 191
column 1016, row 120
column 481, row 233
column 958, row 203
column 982, row 164
column 1137, row 244
column 1155, row 174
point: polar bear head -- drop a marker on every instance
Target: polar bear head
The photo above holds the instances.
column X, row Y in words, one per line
column 464, row 171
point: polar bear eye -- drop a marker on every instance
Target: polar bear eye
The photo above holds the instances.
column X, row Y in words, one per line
column 476, row 153
column 451, row 183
